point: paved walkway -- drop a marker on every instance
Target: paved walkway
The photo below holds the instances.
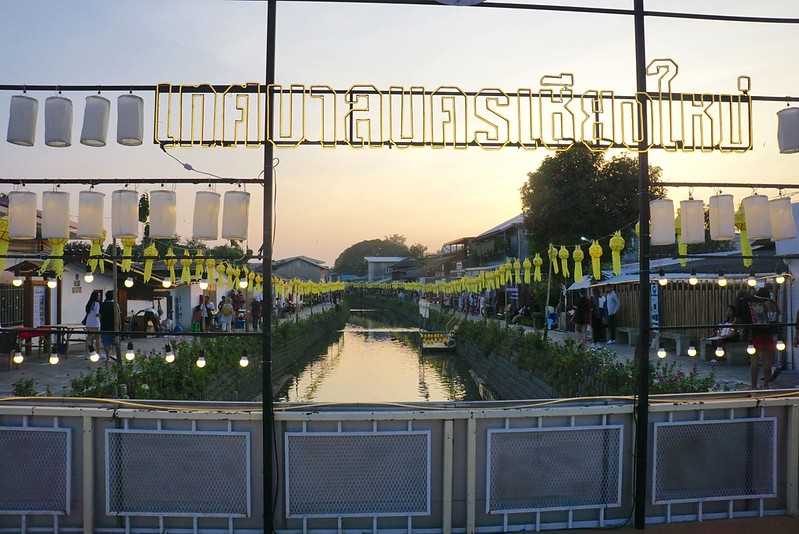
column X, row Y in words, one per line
column 58, row 378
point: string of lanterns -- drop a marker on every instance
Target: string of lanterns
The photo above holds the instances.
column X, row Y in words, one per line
column 58, row 118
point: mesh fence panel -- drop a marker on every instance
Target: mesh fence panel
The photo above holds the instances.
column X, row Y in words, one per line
column 357, row 474
column 172, row 473
column 34, row 470
column 540, row 469
column 714, row 460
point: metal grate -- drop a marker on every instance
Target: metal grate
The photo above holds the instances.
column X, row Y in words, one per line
column 177, row 473
column 714, row 460
column 553, row 468
column 354, row 474
column 11, row 305
column 34, row 470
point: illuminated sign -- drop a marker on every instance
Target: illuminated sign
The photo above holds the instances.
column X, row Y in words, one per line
column 552, row 116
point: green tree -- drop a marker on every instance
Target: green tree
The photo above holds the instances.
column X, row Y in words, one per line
column 418, row 250
column 351, row 260
column 581, row 193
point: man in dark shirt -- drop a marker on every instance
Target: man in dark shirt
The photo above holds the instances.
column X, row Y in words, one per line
column 109, row 322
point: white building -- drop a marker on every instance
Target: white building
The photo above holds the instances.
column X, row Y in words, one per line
column 379, row 267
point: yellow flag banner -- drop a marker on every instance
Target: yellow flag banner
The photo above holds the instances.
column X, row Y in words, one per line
column 185, row 272
column 578, row 256
column 563, row 254
column 595, row 251
column 127, row 252
column 170, row 264
column 616, row 246
column 150, row 254
column 4, row 240
column 537, row 262
column 553, row 258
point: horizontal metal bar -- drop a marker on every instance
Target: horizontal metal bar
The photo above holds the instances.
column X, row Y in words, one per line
column 129, row 181
column 121, row 257
column 732, row 185
column 46, row 330
column 725, row 325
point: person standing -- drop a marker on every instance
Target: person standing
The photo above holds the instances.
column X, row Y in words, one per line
column 226, row 314
column 109, row 319
column 582, row 316
column 255, row 313
column 763, row 311
column 92, row 320
column 612, row 305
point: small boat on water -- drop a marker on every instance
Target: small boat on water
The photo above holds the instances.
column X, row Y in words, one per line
column 437, row 341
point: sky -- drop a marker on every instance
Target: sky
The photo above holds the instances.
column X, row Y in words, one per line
column 329, row 199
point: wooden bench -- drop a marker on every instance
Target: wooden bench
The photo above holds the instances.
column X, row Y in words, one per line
column 734, row 351
column 630, row 333
column 681, row 341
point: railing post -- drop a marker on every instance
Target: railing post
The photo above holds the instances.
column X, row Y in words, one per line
column 471, row 473
column 446, row 487
column 792, row 461
column 87, row 478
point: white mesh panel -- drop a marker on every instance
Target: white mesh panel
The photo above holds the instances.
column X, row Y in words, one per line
column 714, row 460
column 537, row 469
column 178, row 473
column 357, row 474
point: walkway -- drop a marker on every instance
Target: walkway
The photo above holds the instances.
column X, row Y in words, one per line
column 58, row 378
column 728, row 377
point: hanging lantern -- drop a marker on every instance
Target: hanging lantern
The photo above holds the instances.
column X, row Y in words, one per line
column 124, row 214
column 55, row 215
column 163, row 214
column 661, row 212
column 235, row 215
column 722, row 218
column 788, row 130
column 756, row 213
column 130, row 120
column 783, row 225
column 692, row 221
column 90, row 214
column 22, row 120
column 21, row 215
column 206, row 216
column 58, row 121
column 95, row 121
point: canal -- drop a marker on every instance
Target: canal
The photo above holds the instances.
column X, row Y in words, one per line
column 366, row 364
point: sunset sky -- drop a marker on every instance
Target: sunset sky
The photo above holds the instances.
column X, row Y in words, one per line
column 329, row 199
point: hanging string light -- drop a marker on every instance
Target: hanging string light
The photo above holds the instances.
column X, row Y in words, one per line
column 128, row 282
column 18, row 358
column 662, row 353
column 720, row 352
column 201, row 360
column 722, row 281
column 692, row 351
column 54, row 359
column 169, row 355
column 94, row 357
column 130, row 354
column 244, row 361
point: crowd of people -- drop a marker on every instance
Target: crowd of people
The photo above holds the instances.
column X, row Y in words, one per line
column 594, row 315
column 232, row 313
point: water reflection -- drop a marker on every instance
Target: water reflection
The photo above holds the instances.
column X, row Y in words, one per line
column 368, row 366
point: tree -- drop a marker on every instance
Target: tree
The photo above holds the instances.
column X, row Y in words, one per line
column 351, row 260
column 578, row 193
column 418, row 250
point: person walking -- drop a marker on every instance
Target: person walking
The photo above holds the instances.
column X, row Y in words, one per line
column 92, row 320
column 109, row 322
column 226, row 314
column 612, row 305
column 763, row 312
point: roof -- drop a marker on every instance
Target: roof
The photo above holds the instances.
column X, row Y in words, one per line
column 306, row 259
column 510, row 223
column 384, row 259
column 459, row 241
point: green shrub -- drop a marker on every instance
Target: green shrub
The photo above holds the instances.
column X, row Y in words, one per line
column 24, row 387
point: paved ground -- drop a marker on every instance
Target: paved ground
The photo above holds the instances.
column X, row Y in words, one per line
column 58, row 377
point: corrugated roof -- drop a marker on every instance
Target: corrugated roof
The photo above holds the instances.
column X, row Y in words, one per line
column 510, row 223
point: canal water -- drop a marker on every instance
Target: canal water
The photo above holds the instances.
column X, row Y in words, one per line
column 386, row 365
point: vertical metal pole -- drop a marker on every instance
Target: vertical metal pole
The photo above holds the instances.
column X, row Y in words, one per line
column 266, row 364
column 642, row 350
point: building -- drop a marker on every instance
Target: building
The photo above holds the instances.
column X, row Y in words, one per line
column 497, row 244
column 379, row 267
column 302, row 268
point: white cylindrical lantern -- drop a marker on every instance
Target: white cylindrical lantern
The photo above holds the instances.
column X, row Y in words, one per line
column 58, row 121
column 22, row 120
column 788, row 130
column 692, row 222
column 756, row 212
column 163, row 214
column 55, row 215
column 95, row 121
column 783, row 225
column 661, row 213
column 235, row 215
column 722, row 218
column 90, row 214
column 206, row 216
column 22, row 215
column 130, row 120
column 124, row 214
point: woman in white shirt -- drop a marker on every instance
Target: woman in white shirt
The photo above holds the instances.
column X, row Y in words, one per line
column 92, row 320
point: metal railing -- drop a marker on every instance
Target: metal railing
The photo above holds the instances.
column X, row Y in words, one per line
column 123, row 467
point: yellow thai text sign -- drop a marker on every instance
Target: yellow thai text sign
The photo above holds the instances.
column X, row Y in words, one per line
column 550, row 116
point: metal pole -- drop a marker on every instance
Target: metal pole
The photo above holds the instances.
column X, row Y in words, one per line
column 642, row 350
column 266, row 364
